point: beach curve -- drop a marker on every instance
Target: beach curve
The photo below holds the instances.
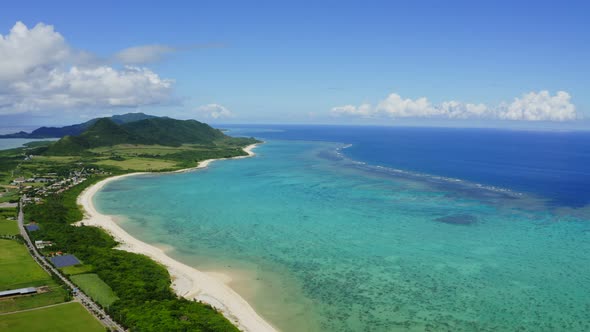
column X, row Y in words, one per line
column 187, row 281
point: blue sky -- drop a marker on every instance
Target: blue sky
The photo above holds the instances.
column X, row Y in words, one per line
column 320, row 62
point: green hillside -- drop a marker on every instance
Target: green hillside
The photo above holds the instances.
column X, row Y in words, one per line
column 106, row 132
column 171, row 132
column 152, row 131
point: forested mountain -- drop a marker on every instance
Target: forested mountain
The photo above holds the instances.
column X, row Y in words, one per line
column 77, row 129
column 152, row 131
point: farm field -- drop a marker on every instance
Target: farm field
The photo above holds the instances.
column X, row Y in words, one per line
column 97, row 289
column 138, row 164
column 61, row 318
column 77, row 269
column 8, row 227
column 133, row 150
column 19, row 270
column 56, row 295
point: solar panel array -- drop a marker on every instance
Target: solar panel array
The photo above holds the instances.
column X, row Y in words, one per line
column 65, row 260
column 32, row 228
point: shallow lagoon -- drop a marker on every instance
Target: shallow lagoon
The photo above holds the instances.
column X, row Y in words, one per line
column 318, row 242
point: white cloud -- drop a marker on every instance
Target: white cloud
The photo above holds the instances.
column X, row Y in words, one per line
column 533, row 106
column 214, row 111
column 25, row 51
column 364, row 110
column 143, row 54
column 457, row 110
column 395, row 106
column 39, row 73
column 541, row 106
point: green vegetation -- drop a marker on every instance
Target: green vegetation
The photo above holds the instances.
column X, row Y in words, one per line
column 8, row 226
column 135, row 289
column 62, row 318
column 77, row 269
column 93, row 286
column 136, row 143
column 55, row 294
column 77, row 129
column 134, row 150
column 162, row 131
column 36, row 144
column 146, row 301
column 9, row 161
column 10, row 196
column 139, row 164
column 172, row 132
column 19, row 270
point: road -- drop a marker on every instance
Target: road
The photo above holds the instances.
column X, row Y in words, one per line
column 90, row 305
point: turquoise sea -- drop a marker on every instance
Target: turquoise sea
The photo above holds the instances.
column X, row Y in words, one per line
column 320, row 242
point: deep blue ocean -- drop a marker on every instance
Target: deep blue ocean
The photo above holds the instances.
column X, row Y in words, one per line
column 550, row 164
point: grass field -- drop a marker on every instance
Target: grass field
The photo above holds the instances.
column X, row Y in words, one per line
column 97, row 289
column 8, row 227
column 77, row 269
column 130, row 150
column 56, row 295
column 54, row 159
column 19, row 270
column 139, row 164
column 63, row 318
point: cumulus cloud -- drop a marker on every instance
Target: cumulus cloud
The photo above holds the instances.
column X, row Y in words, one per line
column 24, row 51
column 40, row 72
column 214, row 111
column 395, row 106
column 533, row 106
column 364, row 110
column 458, row 110
column 143, row 54
column 541, row 106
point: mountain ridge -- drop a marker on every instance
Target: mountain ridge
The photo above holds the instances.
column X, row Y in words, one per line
column 76, row 129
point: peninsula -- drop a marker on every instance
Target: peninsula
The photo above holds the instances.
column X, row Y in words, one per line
column 150, row 291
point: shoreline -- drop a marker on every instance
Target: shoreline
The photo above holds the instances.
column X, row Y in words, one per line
column 188, row 282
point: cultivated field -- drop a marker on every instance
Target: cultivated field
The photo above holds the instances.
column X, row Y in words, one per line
column 138, row 164
column 77, row 269
column 19, row 270
column 97, row 289
column 8, row 227
column 62, row 318
column 133, row 150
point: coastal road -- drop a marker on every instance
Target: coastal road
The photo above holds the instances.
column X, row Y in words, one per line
column 88, row 303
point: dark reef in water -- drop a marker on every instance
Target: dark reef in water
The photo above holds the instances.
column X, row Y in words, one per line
column 458, row 219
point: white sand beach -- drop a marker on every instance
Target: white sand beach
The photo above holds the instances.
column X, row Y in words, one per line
column 186, row 281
